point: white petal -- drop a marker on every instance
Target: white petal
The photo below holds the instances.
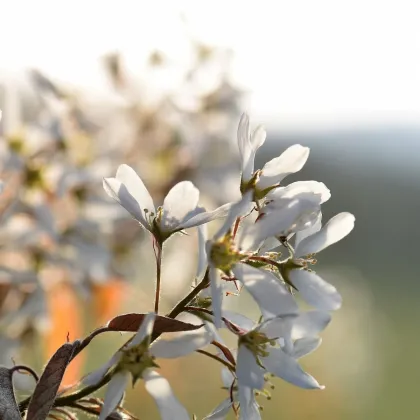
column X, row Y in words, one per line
column 240, row 320
column 336, row 229
column 114, row 393
column 256, row 141
column 221, row 411
column 169, row 406
column 316, row 291
column 268, row 245
column 296, row 215
column 227, row 377
column 277, row 327
column 245, row 148
column 134, row 185
column 289, row 162
column 308, row 198
column 249, row 373
column 271, row 296
column 202, row 252
column 302, row 234
column 305, row 346
column 310, row 324
column 249, row 409
column 182, row 345
column 145, row 329
column 127, row 176
column 258, row 137
column 240, row 208
column 243, row 134
column 216, row 289
column 181, row 200
column 286, row 367
column 96, row 376
column 119, row 192
column 205, row 217
column 294, row 189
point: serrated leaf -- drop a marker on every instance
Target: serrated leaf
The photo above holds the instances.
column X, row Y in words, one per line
column 46, row 389
column 163, row 324
column 8, row 406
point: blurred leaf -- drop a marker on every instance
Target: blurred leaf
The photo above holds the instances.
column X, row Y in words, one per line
column 163, row 324
column 108, row 298
column 8, row 406
column 46, row 389
column 65, row 320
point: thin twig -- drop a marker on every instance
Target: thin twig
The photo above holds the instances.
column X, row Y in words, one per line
column 180, row 306
column 264, row 260
column 27, row 369
column 219, row 359
column 158, row 255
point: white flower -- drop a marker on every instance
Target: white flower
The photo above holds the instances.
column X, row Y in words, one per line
column 313, row 289
column 226, row 258
column 269, row 293
column 245, row 396
column 221, row 257
column 297, row 189
column 298, row 337
column 202, row 254
column 286, row 211
column 274, row 171
column 221, row 411
column 179, row 210
column 137, row 360
column 248, row 145
column 285, row 217
column 274, row 345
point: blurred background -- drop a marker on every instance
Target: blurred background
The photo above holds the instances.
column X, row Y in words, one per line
column 86, row 86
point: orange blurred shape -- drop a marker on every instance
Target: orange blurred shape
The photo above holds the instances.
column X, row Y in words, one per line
column 66, row 322
column 107, row 299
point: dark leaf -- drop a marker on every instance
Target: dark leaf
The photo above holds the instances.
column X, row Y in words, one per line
column 132, row 322
column 226, row 352
column 8, row 406
column 163, row 324
column 46, row 390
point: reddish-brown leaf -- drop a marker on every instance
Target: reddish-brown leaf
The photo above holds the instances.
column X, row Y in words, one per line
column 46, row 389
column 8, row 406
column 226, row 352
column 163, row 324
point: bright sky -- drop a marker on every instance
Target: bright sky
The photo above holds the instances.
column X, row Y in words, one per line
column 325, row 62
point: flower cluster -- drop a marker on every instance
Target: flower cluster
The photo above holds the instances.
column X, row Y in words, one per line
column 59, row 234
column 267, row 245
